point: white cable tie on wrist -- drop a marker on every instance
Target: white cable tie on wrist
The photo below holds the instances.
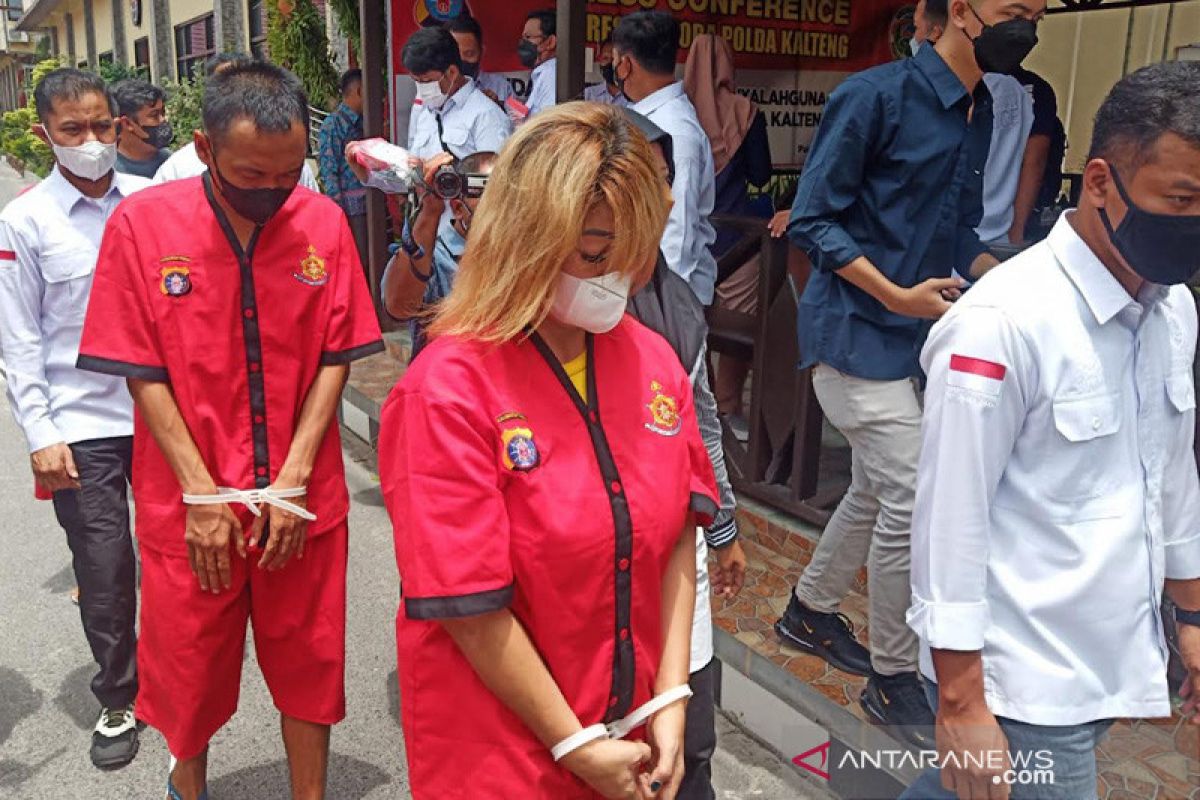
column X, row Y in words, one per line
column 620, row 728
column 253, row 498
column 577, row 740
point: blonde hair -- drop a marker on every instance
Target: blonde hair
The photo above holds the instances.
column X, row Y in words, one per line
column 549, row 176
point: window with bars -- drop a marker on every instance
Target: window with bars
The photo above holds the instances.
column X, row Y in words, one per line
column 194, row 42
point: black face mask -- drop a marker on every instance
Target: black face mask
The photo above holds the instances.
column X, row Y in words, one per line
column 527, row 51
column 256, row 205
column 609, row 74
column 619, row 82
column 1002, row 47
column 1162, row 248
column 470, row 69
column 159, row 136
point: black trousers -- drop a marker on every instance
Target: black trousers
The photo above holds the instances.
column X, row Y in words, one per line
column 96, row 520
column 700, row 736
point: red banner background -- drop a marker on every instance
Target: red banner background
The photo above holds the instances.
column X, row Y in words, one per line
column 818, row 35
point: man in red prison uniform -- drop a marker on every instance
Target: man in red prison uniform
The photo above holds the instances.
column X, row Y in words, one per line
column 507, row 490
column 233, row 303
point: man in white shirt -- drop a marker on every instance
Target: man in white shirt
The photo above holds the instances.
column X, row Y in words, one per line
column 644, row 48
column 451, row 116
column 78, row 425
column 1057, row 490
column 184, row 163
column 469, row 35
column 537, row 48
column 1012, row 119
column 607, row 90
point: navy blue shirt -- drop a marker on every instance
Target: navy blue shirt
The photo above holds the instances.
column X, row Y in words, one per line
column 895, row 174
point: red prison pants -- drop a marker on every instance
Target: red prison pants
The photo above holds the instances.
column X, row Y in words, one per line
column 192, row 642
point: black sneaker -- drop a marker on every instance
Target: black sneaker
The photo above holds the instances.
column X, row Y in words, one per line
column 829, row 636
column 898, row 702
column 115, row 739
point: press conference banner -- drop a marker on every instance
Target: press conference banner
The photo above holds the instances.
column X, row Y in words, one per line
column 789, row 53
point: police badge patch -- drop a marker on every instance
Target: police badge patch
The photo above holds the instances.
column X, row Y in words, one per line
column 664, row 412
column 312, row 269
column 520, row 452
column 176, row 280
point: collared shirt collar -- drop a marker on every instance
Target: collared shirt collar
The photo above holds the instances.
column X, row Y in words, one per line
column 945, row 83
column 459, row 98
column 656, row 100
column 1102, row 292
column 549, row 65
column 348, row 112
column 67, row 196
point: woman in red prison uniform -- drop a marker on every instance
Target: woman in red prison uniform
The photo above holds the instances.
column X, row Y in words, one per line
column 544, row 474
column 250, row 322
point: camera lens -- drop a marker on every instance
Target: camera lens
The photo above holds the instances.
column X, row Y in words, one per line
column 448, row 183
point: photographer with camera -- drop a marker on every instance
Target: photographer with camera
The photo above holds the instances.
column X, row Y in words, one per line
column 422, row 270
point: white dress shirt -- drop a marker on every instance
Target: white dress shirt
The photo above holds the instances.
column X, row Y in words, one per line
column 543, row 90
column 1057, row 486
column 470, row 123
column 184, row 163
column 598, row 93
column 49, row 239
column 689, row 232
column 496, row 84
column 1012, row 119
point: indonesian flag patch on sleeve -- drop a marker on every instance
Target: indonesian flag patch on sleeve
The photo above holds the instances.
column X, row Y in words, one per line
column 982, row 377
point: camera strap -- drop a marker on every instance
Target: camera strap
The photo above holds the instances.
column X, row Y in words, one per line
column 441, row 134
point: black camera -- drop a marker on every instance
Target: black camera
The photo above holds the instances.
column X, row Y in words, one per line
column 450, row 183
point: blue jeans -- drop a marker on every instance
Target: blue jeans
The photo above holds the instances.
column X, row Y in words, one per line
column 1071, row 748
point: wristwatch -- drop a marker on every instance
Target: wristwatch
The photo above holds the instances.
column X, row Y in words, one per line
column 1187, row 617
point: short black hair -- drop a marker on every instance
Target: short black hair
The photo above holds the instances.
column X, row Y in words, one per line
column 430, row 50
column 218, row 60
column 68, row 83
column 349, row 78
column 938, row 12
column 1142, row 107
column 651, row 38
column 465, row 23
column 133, row 94
column 547, row 18
column 271, row 96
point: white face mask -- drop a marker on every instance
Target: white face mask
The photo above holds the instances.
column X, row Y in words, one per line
column 594, row 304
column 91, row 160
column 431, row 94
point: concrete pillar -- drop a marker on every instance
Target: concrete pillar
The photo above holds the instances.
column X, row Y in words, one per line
column 89, row 34
column 120, row 45
column 229, row 26
column 162, row 41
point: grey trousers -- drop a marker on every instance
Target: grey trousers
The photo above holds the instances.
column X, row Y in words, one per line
column 96, row 520
column 882, row 422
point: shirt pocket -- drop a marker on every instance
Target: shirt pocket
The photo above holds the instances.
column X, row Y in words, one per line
column 1084, row 471
column 456, row 138
column 1181, row 391
column 68, row 277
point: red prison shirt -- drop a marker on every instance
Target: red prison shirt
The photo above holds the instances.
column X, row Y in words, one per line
column 239, row 336
column 506, row 489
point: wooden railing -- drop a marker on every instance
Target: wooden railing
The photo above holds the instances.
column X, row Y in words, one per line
column 780, row 464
